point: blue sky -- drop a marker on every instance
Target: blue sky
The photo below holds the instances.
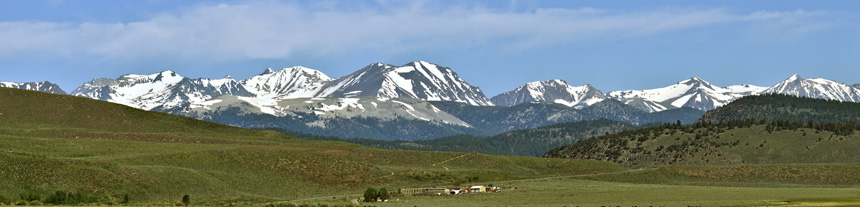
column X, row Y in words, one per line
column 495, row 45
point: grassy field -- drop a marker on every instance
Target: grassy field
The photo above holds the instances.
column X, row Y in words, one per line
column 838, row 175
column 746, row 185
column 576, row 192
column 54, row 142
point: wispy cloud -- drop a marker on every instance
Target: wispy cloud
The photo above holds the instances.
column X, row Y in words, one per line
column 277, row 30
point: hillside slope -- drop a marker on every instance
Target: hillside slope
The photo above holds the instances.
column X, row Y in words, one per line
column 526, row 142
column 57, row 142
column 727, row 143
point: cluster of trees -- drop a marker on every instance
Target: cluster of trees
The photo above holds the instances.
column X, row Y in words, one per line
column 57, row 198
column 373, row 195
column 70, row 198
column 843, row 129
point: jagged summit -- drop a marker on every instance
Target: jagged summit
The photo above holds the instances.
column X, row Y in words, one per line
column 267, row 71
column 293, row 82
column 44, row 86
column 551, row 91
column 417, row 80
column 816, row 88
column 794, row 77
column 162, row 89
column 694, row 93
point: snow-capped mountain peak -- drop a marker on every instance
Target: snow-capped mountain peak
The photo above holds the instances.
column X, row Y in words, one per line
column 294, row 82
column 694, row 80
column 417, row 80
column 551, row 91
column 694, row 92
column 793, row 78
column 44, row 86
column 816, row 88
column 164, row 89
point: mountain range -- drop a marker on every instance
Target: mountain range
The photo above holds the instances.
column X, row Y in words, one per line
column 386, row 101
column 43, row 86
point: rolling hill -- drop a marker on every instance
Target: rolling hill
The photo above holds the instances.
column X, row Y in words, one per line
column 59, row 142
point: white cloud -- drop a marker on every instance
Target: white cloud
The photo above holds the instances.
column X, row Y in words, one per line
column 278, row 30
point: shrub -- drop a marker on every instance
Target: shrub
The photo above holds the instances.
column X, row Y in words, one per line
column 370, row 194
column 30, row 197
column 186, row 200
column 36, row 203
column 383, row 194
column 68, row 198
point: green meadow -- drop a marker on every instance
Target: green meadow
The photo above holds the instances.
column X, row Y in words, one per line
column 582, row 192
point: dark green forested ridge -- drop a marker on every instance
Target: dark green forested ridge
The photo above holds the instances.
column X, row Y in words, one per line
column 528, row 142
column 730, row 142
column 774, row 107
